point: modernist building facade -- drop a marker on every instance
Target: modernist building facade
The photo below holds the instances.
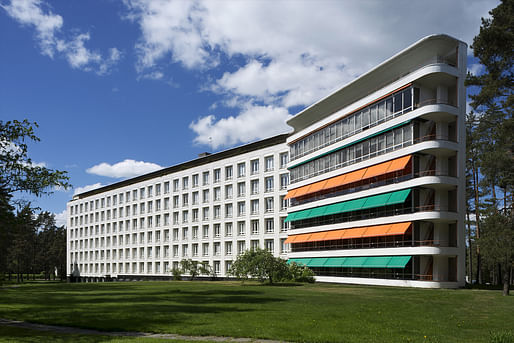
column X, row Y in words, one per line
column 209, row 209
column 377, row 173
column 375, row 189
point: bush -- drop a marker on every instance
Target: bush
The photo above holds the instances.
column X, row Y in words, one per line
column 300, row 273
column 502, row 337
column 177, row 274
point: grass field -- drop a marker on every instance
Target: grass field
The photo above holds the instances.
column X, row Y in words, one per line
column 304, row 313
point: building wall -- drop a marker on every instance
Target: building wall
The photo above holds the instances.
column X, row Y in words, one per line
column 162, row 228
column 432, row 126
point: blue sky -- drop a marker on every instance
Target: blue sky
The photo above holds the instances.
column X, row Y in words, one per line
column 121, row 88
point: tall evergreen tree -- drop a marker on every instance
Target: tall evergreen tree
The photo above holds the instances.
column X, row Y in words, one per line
column 493, row 135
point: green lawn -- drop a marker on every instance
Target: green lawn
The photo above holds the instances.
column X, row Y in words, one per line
column 306, row 313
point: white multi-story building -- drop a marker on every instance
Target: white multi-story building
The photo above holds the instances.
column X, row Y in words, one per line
column 377, row 173
column 208, row 209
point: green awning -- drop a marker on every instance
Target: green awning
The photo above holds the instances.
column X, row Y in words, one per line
column 373, row 201
column 398, row 197
column 398, row 262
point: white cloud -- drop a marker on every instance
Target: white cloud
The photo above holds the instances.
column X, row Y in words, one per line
column 60, row 218
column 48, row 27
column 255, row 122
column 126, row 168
column 87, row 188
column 476, row 68
column 289, row 53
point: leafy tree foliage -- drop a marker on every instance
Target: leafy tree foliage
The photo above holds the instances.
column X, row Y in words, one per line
column 195, row 268
column 18, row 231
column 260, row 264
column 491, row 138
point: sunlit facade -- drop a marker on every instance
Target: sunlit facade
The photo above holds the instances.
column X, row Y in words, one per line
column 377, row 173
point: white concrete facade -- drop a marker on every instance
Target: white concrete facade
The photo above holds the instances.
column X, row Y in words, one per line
column 431, row 74
column 209, row 209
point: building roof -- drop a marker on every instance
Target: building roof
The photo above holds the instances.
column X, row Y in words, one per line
column 189, row 164
column 385, row 73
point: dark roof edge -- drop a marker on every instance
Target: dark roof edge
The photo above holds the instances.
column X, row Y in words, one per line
column 189, row 164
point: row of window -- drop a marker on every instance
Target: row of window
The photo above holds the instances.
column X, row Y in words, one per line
column 149, row 191
column 384, row 143
column 255, row 224
column 187, row 250
column 379, row 112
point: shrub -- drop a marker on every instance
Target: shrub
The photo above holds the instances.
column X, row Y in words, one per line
column 300, row 273
column 177, row 274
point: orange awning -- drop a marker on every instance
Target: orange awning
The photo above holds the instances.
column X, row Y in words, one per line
column 354, row 176
column 399, row 228
column 360, row 232
column 399, row 163
column 376, row 170
column 291, row 194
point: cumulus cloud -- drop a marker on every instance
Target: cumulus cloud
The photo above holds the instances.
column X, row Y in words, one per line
column 255, row 122
column 476, row 68
column 87, row 188
column 60, row 218
column 286, row 53
column 126, row 168
column 48, row 27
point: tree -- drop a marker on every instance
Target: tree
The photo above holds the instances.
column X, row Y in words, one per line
column 19, row 174
column 493, row 138
column 194, row 268
column 259, row 264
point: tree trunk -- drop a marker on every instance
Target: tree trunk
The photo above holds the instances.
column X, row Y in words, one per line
column 477, row 225
column 470, row 250
column 506, row 282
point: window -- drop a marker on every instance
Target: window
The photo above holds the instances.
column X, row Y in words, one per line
column 205, row 231
column 228, row 192
column 185, row 250
column 269, row 183
column 158, row 189
column 283, row 160
column 185, row 233
column 254, row 185
column 254, row 164
column 175, row 234
column 196, row 198
column 241, row 189
column 255, row 227
column 195, row 180
column 269, row 204
column 185, row 199
column 142, row 193
column 228, row 173
column 217, row 194
column 205, row 213
column 149, row 206
column 175, row 201
column 228, row 229
column 269, row 163
column 205, row 249
column 166, row 187
column 228, row 248
column 284, row 181
column 195, row 249
column 185, row 216
column 195, row 215
column 185, row 182
column 205, row 196
column 240, row 228
column 134, row 196
column 217, row 175
column 158, row 204
column 241, row 247
column 217, row 248
column 175, row 218
column 175, row 185
column 269, row 243
column 254, row 244
column 254, row 206
column 205, row 178
column 217, row 230
column 241, row 169
column 228, row 210
column 284, row 203
column 149, row 191
column 195, row 232
column 241, row 208
column 270, row 225
column 217, row 212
